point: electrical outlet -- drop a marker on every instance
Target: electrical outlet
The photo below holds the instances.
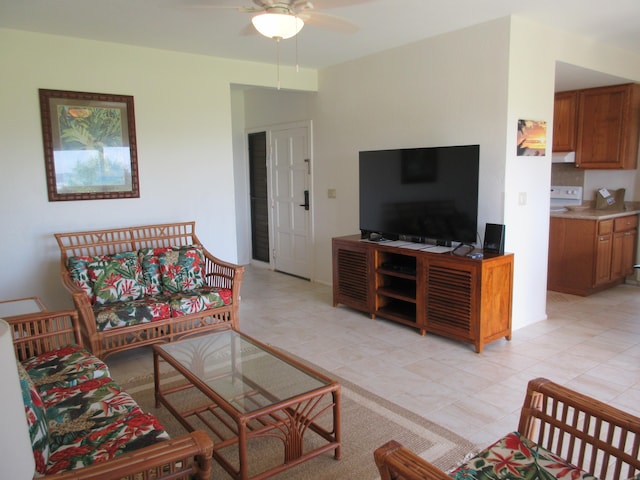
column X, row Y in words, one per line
column 522, row 198
column 331, row 193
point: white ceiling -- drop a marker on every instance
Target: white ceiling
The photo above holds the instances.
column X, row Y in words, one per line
column 187, row 26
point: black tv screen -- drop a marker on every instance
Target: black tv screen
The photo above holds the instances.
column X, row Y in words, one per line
column 420, row 194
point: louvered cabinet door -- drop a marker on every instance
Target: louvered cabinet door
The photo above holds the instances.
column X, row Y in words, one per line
column 451, row 300
column 351, row 277
column 469, row 300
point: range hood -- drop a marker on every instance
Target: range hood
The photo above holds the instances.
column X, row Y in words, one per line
column 563, row 157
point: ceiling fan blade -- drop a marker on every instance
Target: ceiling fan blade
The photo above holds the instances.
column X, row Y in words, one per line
column 222, row 4
column 327, row 4
column 328, row 22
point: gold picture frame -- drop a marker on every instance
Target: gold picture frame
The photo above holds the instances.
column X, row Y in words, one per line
column 89, row 145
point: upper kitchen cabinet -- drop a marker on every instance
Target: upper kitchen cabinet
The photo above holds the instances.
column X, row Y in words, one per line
column 607, row 127
column 565, row 121
column 600, row 124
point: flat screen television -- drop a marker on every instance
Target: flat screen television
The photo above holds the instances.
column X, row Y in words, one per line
column 427, row 195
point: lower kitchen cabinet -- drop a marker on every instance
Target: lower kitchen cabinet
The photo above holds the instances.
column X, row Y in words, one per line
column 590, row 255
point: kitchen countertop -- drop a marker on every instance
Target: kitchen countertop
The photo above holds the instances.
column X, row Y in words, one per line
column 593, row 214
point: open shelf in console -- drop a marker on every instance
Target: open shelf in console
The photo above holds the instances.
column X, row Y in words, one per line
column 404, row 312
column 396, row 264
column 395, row 289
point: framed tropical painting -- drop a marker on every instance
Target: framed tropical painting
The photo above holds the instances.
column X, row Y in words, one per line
column 89, row 145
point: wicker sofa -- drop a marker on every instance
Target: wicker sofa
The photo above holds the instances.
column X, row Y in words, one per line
column 561, row 434
column 148, row 284
column 81, row 423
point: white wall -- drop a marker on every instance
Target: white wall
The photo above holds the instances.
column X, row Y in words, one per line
column 185, row 147
column 530, row 96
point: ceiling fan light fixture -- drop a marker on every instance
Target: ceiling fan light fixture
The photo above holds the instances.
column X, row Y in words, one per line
column 277, row 25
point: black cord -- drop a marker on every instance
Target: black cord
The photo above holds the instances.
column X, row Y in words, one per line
column 468, row 245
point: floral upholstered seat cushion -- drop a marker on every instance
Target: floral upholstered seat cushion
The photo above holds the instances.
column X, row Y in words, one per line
column 74, row 412
column 36, row 420
column 199, row 300
column 122, row 314
column 514, row 457
column 64, row 367
column 182, row 269
column 95, row 421
column 122, row 436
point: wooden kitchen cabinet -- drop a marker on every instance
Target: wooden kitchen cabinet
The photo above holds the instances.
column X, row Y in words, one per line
column 608, row 126
column 624, row 246
column 587, row 256
column 454, row 296
column 565, row 121
column 604, row 244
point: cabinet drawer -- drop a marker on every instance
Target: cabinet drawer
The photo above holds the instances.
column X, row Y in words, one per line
column 605, row 227
column 625, row 223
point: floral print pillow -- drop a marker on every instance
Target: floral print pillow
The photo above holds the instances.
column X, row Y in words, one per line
column 116, row 279
column 77, row 267
column 151, row 269
column 182, row 269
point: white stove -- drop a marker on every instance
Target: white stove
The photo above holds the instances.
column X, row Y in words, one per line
column 563, row 196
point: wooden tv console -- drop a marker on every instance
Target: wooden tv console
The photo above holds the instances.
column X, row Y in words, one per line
column 454, row 296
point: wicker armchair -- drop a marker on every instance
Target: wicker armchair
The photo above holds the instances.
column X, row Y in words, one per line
column 586, row 433
column 182, row 458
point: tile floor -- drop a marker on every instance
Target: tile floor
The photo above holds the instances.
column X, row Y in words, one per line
column 591, row 344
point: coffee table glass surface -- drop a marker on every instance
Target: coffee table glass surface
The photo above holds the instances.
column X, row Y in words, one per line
column 233, row 365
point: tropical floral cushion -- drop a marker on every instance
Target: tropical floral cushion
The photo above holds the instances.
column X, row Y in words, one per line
column 64, row 367
column 122, row 314
column 199, row 300
column 182, row 269
column 81, row 270
column 122, row 436
column 74, row 412
column 116, row 278
column 514, row 457
column 151, row 269
column 36, row 420
column 94, row 421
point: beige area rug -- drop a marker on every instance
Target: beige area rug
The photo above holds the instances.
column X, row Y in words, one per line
column 368, row 421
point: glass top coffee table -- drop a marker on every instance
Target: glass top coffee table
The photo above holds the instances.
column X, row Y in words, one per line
column 246, row 394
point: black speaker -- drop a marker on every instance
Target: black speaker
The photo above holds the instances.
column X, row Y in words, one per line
column 493, row 238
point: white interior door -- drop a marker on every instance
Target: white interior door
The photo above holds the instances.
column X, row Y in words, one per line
column 290, row 179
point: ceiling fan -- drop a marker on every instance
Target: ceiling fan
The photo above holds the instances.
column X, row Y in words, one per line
column 282, row 19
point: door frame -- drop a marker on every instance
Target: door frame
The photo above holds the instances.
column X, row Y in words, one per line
column 269, row 129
